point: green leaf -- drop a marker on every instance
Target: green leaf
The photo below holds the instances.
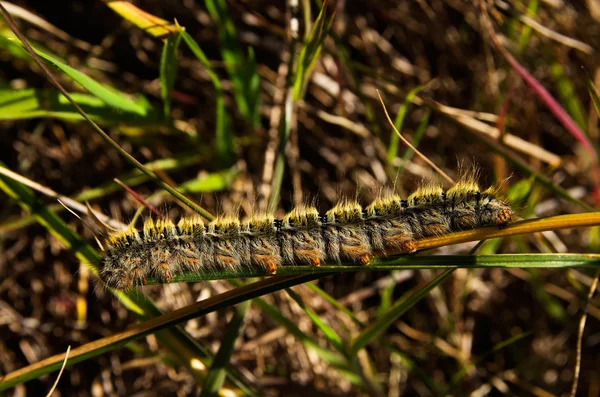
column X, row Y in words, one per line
column 168, row 69
column 373, row 331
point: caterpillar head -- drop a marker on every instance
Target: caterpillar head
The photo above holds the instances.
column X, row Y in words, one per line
column 492, row 210
column 123, row 267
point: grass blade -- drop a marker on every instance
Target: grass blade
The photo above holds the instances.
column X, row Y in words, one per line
column 326, row 355
column 399, row 122
column 16, row 104
column 329, row 332
column 530, row 261
column 108, row 95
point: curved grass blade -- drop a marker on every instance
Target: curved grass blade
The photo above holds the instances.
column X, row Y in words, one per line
column 567, row 94
column 334, row 302
column 218, row 370
column 499, row 346
column 331, row 357
column 375, row 329
column 329, row 332
column 419, row 133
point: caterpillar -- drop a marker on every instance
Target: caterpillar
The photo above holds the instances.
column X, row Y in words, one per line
column 347, row 232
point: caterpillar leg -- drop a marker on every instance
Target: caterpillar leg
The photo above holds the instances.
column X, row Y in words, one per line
column 354, row 244
column 400, row 243
column 137, row 273
column 312, row 257
column 163, row 272
column 269, row 262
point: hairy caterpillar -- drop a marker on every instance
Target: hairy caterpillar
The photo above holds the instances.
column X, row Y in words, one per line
column 303, row 236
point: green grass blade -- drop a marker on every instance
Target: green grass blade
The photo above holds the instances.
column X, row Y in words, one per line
column 375, row 329
column 18, row 104
column 419, row 133
column 499, row 346
column 532, row 261
column 218, row 370
column 168, row 70
column 329, row 332
column 532, row 9
column 147, row 22
column 108, row 95
column 334, row 302
column 311, row 50
column 326, row 355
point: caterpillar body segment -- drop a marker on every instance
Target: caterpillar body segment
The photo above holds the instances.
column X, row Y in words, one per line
column 345, row 233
